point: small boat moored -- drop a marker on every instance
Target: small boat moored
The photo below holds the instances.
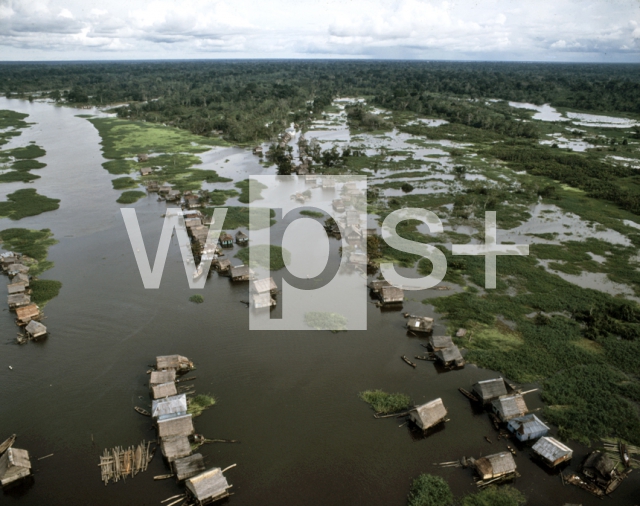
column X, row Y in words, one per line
column 143, row 412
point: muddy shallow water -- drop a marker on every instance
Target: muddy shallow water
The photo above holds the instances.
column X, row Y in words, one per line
column 290, row 397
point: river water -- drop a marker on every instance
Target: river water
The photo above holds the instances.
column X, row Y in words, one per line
column 290, row 397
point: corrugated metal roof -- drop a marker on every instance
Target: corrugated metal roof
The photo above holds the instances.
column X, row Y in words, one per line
column 551, row 449
column 528, row 425
column 170, row 406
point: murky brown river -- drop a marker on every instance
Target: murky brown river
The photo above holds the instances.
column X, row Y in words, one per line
column 289, row 397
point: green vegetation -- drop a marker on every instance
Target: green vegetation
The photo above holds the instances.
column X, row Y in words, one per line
column 43, row 290
column 11, row 122
column 130, row 197
column 198, row 403
column 30, row 164
column 384, row 403
column 26, row 202
column 272, row 257
column 505, row 495
column 27, row 152
column 239, row 217
column 123, row 183
column 14, row 176
column 219, row 197
column 320, row 320
column 171, row 150
column 429, row 490
column 250, row 187
column 312, row 214
column 198, row 299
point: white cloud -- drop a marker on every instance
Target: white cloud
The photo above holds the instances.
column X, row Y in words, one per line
column 464, row 29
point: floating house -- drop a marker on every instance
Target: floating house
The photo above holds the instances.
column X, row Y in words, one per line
column 208, row 487
column 20, row 278
column 240, row 273
column 352, row 218
column 328, row 183
column 495, row 466
column 35, row 330
column 338, row 205
column 143, row 157
column 528, row 427
column 192, row 201
column 353, row 235
column 172, row 195
column 176, row 426
column 391, row 295
column 163, row 390
column 509, row 407
column 551, row 451
column 488, row 390
column 169, row 407
column 376, row 286
column 174, row 448
column 27, row 313
column 429, row 414
column 222, row 265
column 187, row 467
column 192, row 222
column 160, row 377
column 257, row 151
column 177, row 363
column 438, row 343
column 241, row 238
column 145, row 171
column 262, row 300
column 265, row 285
column 192, row 213
column 18, row 300
column 450, row 357
column 599, row 468
column 420, row 324
column 226, row 241
column 14, row 288
column 152, row 186
column 165, row 188
column 14, row 269
column 14, row 465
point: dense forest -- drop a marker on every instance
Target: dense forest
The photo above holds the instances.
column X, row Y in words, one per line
column 253, row 100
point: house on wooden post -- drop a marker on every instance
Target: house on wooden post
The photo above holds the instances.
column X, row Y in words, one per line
column 353, row 235
column 240, row 273
column 208, row 487
column 376, row 286
column 152, row 186
column 495, row 466
column 420, row 324
column 265, row 285
column 428, row 415
column 551, row 451
column 14, row 269
column 176, row 426
column 18, row 300
column 226, row 241
column 160, row 377
column 192, row 201
column 437, row 343
column 509, row 407
column 8, row 258
column 164, row 189
column 241, row 238
column 35, row 330
column 391, row 295
column 27, row 313
column 169, row 407
column 177, row 363
column 527, row 427
column 222, row 265
column 176, row 447
column 262, row 300
column 600, row 468
column 488, row 390
column 20, row 278
column 172, row 195
column 14, row 288
column 192, row 223
column 14, row 465
column 450, row 357
column 338, row 205
column 145, row 171
column 142, row 157
column 187, row 467
column 163, row 390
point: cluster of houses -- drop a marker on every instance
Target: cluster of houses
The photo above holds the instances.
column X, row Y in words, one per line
column 15, row 464
column 175, row 432
column 19, row 296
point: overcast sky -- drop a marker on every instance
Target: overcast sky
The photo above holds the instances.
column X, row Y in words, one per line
column 552, row 30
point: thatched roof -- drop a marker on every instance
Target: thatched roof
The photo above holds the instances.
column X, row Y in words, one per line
column 511, row 406
column 35, row 329
column 20, row 278
column 420, row 323
column 187, row 467
column 528, row 426
column 18, row 299
column 14, row 464
column 450, row 354
column 378, row 284
column 490, row 389
column 224, row 264
column 163, row 390
column 176, row 362
column 176, row 426
column 17, row 268
column 493, row 466
column 600, row 462
column 158, row 377
column 391, row 294
column 429, row 414
column 264, row 285
column 240, row 271
column 226, row 238
column 168, row 407
column 16, row 288
column 440, row 342
column 552, row 450
column 208, row 485
column 175, row 447
column 26, row 313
